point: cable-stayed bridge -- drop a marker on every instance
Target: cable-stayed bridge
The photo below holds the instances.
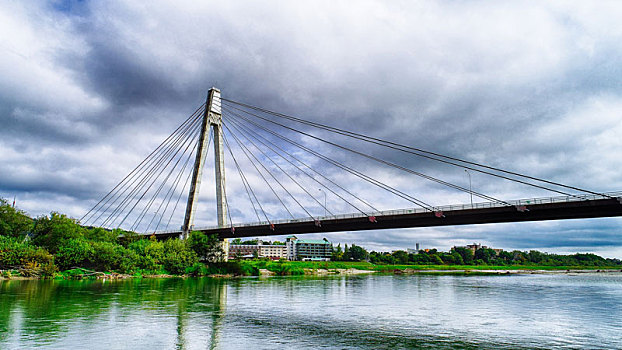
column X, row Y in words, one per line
column 284, row 169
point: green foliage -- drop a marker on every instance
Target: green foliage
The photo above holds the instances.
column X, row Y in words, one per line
column 127, row 237
column 485, row 254
column 74, row 252
column 208, row 248
column 109, row 256
column 286, row 269
column 149, row 255
column 401, row 257
column 355, row 253
column 17, row 252
column 178, row 256
column 465, row 253
column 197, row 269
column 98, row 234
column 337, row 254
column 60, row 241
column 13, row 222
column 50, row 232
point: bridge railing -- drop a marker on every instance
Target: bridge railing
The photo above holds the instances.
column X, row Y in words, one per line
column 445, row 208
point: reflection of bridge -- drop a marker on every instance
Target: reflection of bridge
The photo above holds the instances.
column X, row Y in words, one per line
column 283, row 169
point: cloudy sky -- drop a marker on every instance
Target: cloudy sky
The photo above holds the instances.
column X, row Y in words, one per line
column 89, row 88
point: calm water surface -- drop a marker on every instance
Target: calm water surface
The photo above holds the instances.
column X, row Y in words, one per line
column 358, row 312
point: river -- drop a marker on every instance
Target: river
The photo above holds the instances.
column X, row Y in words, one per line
column 351, row 312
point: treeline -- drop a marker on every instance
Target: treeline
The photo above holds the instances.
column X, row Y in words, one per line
column 465, row 256
column 48, row 244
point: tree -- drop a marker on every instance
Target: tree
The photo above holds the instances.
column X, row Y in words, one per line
column 465, row 253
column 401, row 257
column 98, row 234
column 356, row 253
column 206, row 247
column 337, row 254
column 436, row 260
column 485, row 254
column 51, row 231
column 13, row 222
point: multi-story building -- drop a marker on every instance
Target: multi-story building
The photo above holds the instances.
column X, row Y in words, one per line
column 273, row 251
column 308, row 249
column 475, row 246
column 243, row 251
column 294, row 249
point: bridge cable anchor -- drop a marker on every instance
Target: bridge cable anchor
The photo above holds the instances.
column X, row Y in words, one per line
column 372, row 219
column 521, row 208
column 439, row 214
column 318, row 223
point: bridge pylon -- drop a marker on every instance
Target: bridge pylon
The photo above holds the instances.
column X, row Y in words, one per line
column 212, row 119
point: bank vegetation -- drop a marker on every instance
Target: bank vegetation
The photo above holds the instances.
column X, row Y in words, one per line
column 56, row 246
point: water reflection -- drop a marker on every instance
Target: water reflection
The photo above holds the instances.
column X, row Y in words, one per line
column 367, row 312
column 49, row 313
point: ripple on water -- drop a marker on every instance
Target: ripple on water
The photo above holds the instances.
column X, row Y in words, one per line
column 362, row 312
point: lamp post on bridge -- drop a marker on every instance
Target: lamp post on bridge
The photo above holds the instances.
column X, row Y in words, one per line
column 325, row 210
column 470, row 190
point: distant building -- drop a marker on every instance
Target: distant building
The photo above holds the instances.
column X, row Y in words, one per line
column 274, row 252
column 294, row 249
column 243, row 251
column 475, row 246
column 308, row 249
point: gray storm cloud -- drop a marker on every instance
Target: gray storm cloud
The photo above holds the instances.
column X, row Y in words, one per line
column 88, row 89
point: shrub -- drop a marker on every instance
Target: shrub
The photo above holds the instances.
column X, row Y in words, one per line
column 13, row 222
column 178, row 256
column 98, row 234
column 149, row 254
column 50, row 232
column 106, row 256
column 74, row 252
column 197, row 269
column 130, row 261
column 17, row 252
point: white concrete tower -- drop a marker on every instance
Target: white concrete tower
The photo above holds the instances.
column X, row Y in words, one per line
column 212, row 118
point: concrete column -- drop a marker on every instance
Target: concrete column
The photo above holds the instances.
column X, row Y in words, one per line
column 197, row 172
column 211, row 119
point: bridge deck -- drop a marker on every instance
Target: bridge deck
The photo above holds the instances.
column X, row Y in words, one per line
column 555, row 208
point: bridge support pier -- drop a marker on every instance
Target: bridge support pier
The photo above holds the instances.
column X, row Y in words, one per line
column 212, row 119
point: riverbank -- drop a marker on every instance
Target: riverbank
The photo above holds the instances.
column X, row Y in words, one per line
column 265, row 268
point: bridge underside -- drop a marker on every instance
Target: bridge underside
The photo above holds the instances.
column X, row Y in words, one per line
column 537, row 212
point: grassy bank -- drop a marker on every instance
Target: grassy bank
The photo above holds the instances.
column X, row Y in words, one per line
column 284, row 268
column 298, row 268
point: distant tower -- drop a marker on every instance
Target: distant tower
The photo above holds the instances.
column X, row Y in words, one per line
column 417, row 246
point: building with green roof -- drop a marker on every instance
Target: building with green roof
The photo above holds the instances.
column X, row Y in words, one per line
column 308, row 249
